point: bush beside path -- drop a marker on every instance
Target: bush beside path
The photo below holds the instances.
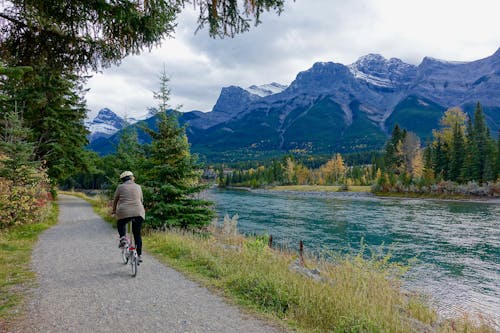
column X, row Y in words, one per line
column 84, row 287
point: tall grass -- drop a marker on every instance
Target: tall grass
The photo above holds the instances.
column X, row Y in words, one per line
column 354, row 294
column 16, row 277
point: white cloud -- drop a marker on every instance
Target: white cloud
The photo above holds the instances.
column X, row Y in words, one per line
column 306, row 32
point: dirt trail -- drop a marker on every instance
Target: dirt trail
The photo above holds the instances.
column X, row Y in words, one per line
column 84, row 287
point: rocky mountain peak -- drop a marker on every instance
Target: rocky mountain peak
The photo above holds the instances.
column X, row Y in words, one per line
column 266, row 89
column 321, row 77
column 377, row 71
column 105, row 124
column 233, row 99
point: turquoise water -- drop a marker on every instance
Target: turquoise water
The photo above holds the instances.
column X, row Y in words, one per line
column 457, row 244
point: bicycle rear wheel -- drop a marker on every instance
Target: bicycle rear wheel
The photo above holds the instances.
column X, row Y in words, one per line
column 125, row 255
column 133, row 263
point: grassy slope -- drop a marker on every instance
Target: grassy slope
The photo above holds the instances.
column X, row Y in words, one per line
column 16, row 246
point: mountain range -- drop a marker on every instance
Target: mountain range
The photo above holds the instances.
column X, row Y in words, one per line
column 332, row 107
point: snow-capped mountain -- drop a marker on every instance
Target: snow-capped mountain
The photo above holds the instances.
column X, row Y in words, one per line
column 332, row 107
column 266, row 89
column 375, row 70
column 105, row 124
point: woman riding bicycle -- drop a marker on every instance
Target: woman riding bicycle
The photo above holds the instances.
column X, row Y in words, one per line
column 128, row 207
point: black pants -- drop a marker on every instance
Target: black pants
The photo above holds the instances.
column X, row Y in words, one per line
column 136, row 230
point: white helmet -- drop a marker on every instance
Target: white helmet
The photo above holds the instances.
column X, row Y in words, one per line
column 126, row 174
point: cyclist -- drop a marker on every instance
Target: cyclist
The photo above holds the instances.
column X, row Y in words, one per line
column 128, row 207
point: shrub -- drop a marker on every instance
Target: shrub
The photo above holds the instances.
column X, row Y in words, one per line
column 23, row 199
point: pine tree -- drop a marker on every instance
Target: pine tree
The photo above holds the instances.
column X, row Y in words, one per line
column 82, row 34
column 466, row 172
column 172, row 179
column 51, row 107
column 479, row 145
column 497, row 168
column 129, row 154
column 440, row 158
column 394, row 159
column 457, row 154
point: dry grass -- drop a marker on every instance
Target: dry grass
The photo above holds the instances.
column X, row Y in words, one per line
column 319, row 188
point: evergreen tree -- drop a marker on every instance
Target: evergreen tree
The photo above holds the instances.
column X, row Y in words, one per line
column 466, row 172
column 171, row 176
column 394, row 159
column 54, row 110
column 441, row 161
column 129, row 154
column 19, row 164
column 479, row 145
column 81, row 34
column 457, row 154
column 497, row 168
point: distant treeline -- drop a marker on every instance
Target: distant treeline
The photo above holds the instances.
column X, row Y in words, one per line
column 462, row 151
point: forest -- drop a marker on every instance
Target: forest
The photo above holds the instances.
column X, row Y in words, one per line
column 463, row 158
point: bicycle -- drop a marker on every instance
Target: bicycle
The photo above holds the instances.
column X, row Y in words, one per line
column 129, row 252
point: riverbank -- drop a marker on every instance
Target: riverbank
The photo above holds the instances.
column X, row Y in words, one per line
column 352, row 294
column 364, row 191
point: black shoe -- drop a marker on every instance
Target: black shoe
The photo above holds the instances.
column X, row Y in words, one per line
column 140, row 259
column 123, row 242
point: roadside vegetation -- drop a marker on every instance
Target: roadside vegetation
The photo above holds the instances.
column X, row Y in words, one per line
column 349, row 294
column 16, row 278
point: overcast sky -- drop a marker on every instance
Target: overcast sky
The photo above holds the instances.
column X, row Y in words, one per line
column 307, row 31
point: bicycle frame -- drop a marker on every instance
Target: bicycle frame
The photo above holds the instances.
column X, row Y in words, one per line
column 129, row 252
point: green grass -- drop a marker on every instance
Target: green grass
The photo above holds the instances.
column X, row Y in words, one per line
column 16, row 277
column 354, row 295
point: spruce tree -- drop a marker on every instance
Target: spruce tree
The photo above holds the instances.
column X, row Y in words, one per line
column 479, row 148
column 440, row 158
column 394, row 159
column 456, row 154
column 51, row 106
column 172, row 179
column 497, row 167
column 466, row 172
column 129, row 154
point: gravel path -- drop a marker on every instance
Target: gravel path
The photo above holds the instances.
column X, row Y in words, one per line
column 84, row 287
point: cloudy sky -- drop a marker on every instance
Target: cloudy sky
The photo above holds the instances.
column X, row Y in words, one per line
column 306, row 32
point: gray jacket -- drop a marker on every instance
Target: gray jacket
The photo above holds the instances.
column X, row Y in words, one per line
column 128, row 201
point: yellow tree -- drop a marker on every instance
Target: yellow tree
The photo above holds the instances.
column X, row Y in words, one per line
column 302, row 174
column 451, row 118
column 339, row 168
column 290, row 170
column 334, row 170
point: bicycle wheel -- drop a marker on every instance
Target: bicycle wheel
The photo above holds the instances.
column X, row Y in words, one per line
column 125, row 255
column 133, row 263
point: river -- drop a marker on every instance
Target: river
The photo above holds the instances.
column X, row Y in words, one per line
column 456, row 244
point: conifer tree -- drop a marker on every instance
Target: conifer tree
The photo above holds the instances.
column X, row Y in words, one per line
column 457, row 154
column 51, row 106
column 479, row 145
column 394, row 159
column 441, row 161
column 172, row 179
column 129, row 154
column 497, row 164
column 466, row 172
